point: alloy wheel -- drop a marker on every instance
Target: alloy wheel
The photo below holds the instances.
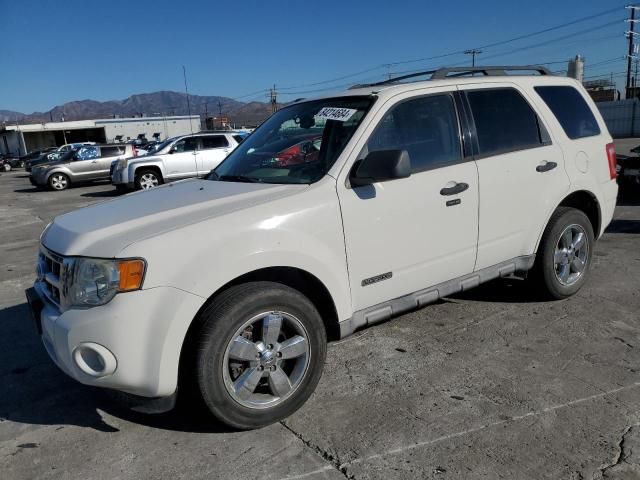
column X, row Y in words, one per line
column 571, row 254
column 266, row 360
column 58, row 181
column 148, row 180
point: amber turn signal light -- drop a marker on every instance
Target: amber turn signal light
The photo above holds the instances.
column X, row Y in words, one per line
column 131, row 274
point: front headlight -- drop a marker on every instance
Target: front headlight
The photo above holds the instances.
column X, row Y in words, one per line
column 94, row 281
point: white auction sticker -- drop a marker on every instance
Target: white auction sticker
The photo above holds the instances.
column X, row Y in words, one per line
column 335, row 113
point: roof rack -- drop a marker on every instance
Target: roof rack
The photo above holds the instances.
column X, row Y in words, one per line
column 444, row 72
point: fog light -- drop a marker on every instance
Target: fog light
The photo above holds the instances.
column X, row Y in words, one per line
column 94, row 359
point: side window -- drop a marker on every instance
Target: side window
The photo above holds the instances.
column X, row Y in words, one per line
column 188, row 144
column 571, row 110
column 217, row 141
column 505, row 122
column 238, row 138
column 426, row 127
column 88, row 153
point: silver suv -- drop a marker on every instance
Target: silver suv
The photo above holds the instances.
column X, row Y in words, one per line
column 176, row 158
column 88, row 163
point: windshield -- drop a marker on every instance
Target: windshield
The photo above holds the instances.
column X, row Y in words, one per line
column 297, row 144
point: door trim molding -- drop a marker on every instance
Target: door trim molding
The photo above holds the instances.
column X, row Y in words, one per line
column 385, row 310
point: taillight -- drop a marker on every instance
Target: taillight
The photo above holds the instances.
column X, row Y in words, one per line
column 134, row 150
column 613, row 162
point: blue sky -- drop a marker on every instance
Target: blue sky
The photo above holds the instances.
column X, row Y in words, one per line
column 63, row 50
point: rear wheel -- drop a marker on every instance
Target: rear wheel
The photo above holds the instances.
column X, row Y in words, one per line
column 146, row 179
column 58, row 181
column 260, row 354
column 565, row 253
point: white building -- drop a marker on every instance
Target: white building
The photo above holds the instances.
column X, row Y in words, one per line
column 20, row 139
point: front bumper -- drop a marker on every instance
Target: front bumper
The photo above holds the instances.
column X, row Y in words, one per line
column 131, row 344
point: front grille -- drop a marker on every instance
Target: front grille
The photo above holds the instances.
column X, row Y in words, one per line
column 52, row 270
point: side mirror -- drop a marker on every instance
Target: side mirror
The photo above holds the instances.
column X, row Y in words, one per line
column 381, row 166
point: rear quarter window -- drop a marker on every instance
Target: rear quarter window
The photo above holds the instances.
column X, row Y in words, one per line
column 571, row 110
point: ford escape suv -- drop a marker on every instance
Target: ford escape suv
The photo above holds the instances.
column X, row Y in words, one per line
column 231, row 285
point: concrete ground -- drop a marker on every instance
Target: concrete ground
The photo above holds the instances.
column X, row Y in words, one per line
column 489, row 384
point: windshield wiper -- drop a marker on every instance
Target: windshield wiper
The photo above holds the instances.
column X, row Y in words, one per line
column 237, row 178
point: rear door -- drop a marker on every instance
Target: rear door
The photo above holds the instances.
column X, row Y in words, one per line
column 520, row 167
column 181, row 161
column 102, row 165
column 214, row 148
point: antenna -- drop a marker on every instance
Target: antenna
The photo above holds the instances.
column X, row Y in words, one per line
column 186, row 89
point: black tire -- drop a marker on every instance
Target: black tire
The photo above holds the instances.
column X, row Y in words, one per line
column 545, row 271
column 220, row 322
column 58, row 181
column 144, row 173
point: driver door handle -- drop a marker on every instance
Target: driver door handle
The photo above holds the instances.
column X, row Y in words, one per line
column 457, row 188
column 546, row 166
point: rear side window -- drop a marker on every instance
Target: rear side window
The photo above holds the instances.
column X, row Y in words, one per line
column 505, row 122
column 111, row 151
column 426, row 127
column 218, row 141
column 571, row 110
column 238, row 138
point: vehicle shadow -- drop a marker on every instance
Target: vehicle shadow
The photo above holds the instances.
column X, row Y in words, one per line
column 29, row 190
column 623, row 226
column 503, row 290
column 102, row 194
column 35, row 391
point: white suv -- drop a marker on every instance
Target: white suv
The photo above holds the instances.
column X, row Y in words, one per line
column 231, row 285
column 175, row 159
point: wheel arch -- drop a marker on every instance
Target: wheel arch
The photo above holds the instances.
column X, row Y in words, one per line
column 293, row 277
column 156, row 168
column 586, row 202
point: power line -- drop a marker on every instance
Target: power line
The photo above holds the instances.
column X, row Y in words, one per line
column 458, row 52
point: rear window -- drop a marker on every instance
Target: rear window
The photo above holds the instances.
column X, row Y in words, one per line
column 571, row 110
column 219, row 141
column 505, row 122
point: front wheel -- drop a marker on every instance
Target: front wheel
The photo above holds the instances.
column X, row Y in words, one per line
column 565, row 253
column 260, row 354
column 58, row 181
column 146, row 179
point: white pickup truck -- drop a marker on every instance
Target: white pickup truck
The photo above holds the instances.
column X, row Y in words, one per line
column 335, row 214
column 175, row 159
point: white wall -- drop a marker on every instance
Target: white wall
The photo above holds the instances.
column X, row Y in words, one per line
column 167, row 127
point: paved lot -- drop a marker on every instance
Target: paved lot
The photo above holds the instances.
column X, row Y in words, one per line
column 489, row 384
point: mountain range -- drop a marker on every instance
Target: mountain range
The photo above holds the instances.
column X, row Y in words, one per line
column 147, row 104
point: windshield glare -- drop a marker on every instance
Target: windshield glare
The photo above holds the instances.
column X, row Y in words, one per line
column 297, row 144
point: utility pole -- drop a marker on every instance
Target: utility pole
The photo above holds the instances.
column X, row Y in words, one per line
column 630, row 35
column 274, row 99
column 473, row 52
column 220, row 112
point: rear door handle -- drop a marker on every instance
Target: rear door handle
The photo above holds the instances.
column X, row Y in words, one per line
column 546, row 166
column 457, row 188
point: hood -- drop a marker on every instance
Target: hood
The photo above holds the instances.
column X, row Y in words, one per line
column 105, row 229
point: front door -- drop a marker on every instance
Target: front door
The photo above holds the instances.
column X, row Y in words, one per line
column 405, row 235
column 182, row 161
